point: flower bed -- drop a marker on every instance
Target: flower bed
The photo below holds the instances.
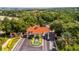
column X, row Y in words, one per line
column 36, row 43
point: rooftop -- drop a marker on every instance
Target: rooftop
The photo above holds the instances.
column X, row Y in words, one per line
column 38, row 29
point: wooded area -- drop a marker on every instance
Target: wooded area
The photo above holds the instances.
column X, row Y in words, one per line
column 65, row 22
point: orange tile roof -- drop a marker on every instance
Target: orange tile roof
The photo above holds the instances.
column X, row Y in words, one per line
column 38, row 29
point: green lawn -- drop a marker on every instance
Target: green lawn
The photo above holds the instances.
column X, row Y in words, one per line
column 11, row 44
column 2, row 40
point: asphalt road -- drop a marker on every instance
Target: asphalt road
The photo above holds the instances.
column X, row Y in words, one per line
column 28, row 47
column 25, row 45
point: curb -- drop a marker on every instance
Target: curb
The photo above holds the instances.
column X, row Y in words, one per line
column 16, row 44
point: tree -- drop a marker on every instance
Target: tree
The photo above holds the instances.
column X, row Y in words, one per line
column 57, row 26
column 6, row 25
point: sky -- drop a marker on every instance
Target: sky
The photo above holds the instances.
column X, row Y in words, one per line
column 39, row 3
